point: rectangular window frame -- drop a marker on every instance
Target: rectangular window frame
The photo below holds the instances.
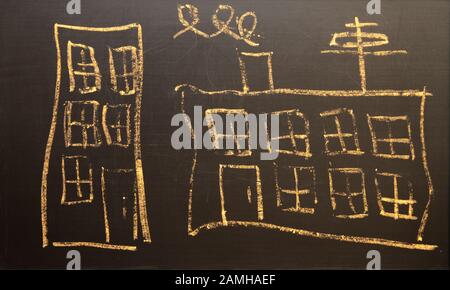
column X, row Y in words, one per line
column 348, row 194
column 216, row 136
column 297, row 192
column 78, row 181
column 390, row 140
column 118, row 126
column 83, row 73
column 134, row 74
column 340, row 135
column 395, row 201
column 294, row 137
column 69, row 123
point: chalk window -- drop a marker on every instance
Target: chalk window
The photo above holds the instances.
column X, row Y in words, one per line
column 293, row 134
column 296, row 188
column 77, row 180
column 256, row 71
column 84, row 72
column 340, row 133
column 348, row 193
column 116, row 124
column 235, row 136
column 124, row 69
column 395, row 196
column 391, row 137
column 81, row 124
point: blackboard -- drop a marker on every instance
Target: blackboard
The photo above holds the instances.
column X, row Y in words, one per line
column 178, row 217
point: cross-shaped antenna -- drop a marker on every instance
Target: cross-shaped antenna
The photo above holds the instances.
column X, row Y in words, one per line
column 357, row 47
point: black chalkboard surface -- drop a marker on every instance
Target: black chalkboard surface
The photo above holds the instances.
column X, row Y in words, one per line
column 90, row 103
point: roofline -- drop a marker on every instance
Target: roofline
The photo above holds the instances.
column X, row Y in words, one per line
column 309, row 92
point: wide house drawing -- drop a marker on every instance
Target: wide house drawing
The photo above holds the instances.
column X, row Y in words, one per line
column 352, row 163
column 93, row 190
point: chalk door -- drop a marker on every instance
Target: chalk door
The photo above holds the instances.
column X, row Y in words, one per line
column 240, row 193
column 120, row 205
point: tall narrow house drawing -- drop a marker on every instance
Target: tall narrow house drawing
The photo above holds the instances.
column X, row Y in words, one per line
column 93, row 191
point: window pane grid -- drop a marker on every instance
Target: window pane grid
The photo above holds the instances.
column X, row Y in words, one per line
column 391, row 140
column 81, row 195
column 121, row 122
column 128, row 57
column 394, row 199
column 87, row 76
column 340, row 134
column 88, row 129
column 348, row 193
column 239, row 141
column 298, row 191
column 294, row 137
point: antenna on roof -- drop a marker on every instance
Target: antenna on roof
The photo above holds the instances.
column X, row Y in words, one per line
column 359, row 44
